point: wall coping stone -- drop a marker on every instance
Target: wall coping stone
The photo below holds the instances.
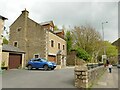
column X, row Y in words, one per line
column 81, row 68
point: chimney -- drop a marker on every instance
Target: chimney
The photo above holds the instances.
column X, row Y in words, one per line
column 25, row 12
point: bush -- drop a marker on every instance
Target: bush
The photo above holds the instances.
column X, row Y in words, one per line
column 82, row 54
column 3, row 63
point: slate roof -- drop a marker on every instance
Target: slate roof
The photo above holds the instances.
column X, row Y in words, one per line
column 48, row 22
column 11, row 48
column 116, row 43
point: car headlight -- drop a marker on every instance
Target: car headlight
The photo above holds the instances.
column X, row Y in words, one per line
column 49, row 63
column 54, row 64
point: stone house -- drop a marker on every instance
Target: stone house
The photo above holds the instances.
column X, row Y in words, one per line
column 38, row 39
column 2, row 19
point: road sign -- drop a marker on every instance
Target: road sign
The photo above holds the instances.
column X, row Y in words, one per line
column 104, row 57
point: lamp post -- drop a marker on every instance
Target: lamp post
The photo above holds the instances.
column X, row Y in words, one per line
column 104, row 56
column 103, row 34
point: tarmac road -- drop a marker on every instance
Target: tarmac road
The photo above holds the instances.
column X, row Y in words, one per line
column 62, row 78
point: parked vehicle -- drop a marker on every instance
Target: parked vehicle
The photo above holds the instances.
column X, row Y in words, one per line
column 118, row 65
column 114, row 65
column 40, row 63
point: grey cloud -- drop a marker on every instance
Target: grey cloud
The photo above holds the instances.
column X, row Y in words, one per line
column 68, row 13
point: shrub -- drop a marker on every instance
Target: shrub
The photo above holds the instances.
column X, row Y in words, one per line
column 82, row 54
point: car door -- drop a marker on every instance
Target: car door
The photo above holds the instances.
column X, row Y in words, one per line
column 33, row 63
column 38, row 63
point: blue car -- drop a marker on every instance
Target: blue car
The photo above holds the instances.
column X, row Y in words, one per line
column 40, row 63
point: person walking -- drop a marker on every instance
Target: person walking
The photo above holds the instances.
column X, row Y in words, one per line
column 110, row 68
column 107, row 62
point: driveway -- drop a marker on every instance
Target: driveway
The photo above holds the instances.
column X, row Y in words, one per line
column 62, row 78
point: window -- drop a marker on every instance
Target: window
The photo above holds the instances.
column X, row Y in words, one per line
column 46, row 28
column 51, row 28
column 18, row 29
column 34, row 60
column 15, row 44
column 58, row 45
column 63, row 47
column 37, row 60
column 52, row 43
column 36, row 56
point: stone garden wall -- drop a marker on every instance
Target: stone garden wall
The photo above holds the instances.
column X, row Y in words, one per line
column 84, row 78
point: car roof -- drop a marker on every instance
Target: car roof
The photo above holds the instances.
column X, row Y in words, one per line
column 35, row 58
column 38, row 58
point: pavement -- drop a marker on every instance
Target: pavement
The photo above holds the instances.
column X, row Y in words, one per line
column 108, row 80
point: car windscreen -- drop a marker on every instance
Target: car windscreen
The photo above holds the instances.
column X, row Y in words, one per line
column 32, row 59
column 44, row 60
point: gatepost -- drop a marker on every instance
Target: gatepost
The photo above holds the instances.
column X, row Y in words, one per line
column 81, row 77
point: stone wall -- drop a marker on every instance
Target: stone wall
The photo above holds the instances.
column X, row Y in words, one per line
column 5, row 58
column 17, row 32
column 73, row 60
column 84, row 78
column 56, row 39
column 71, row 57
column 29, row 35
column 81, row 77
column 94, row 74
column 1, row 30
column 36, row 40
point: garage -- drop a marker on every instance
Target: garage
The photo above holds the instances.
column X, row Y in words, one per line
column 52, row 58
column 12, row 57
column 15, row 60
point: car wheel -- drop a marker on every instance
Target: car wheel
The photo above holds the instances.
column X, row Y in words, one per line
column 49, row 69
column 37, row 68
column 53, row 68
column 45, row 67
column 29, row 67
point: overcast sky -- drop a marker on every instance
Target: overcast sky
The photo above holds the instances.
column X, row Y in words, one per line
column 72, row 13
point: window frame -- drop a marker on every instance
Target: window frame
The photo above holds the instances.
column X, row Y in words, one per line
column 35, row 55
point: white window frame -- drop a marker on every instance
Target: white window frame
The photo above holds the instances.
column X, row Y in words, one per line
column 36, row 54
